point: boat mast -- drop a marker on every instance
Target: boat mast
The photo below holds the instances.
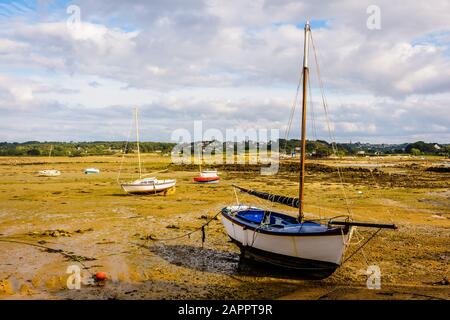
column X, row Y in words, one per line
column 201, row 157
column 303, row 127
column 137, row 140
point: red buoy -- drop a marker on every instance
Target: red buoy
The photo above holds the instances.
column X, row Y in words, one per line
column 100, row 276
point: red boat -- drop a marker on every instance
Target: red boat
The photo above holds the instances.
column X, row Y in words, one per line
column 207, row 176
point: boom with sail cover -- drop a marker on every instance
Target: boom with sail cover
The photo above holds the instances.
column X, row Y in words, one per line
column 294, row 202
column 289, row 201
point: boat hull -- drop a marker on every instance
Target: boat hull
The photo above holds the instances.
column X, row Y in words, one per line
column 91, row 171
column 206, row 179
column 316, row 254
column 307, row 269
column 161, row 186
column 49, row 173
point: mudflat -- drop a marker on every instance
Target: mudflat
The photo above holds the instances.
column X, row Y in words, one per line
column 50, row 223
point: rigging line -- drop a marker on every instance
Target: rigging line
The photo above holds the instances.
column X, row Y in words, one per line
column 291, row 115
column 360, row 239
column 259, row 202
column 137, row 141
column 326, row 209
column 364, row 256
column 378, row 187
column 311, row 109
column 362, row 246
column 356, row 236
column 235, row 194
column 123, row 152
column 330, row 131
column 375, row 181
column 312, row 114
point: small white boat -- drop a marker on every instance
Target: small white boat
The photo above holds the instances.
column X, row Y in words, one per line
column 49, row 173
column 148, row 185
column 207, row 176
column 91, row 171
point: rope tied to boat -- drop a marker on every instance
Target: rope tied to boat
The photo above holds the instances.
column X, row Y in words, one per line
column 203, row 235
column 188, row 234
column 362, row 246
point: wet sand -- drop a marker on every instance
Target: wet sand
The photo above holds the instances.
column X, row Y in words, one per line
column 99, row 227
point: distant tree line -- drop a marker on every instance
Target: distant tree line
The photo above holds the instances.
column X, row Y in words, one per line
column 314, row 148
column 321, row 148
column 79, row 149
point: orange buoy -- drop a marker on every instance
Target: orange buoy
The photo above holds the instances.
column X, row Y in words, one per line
column 100, row 276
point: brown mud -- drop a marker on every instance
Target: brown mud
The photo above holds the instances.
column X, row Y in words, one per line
column 48, row 224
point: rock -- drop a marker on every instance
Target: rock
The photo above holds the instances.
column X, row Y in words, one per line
column 56, row 233
column 172, row 226
column 148, row 237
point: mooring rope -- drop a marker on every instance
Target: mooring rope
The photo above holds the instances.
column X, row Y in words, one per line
column 362, row 246
column 201, row 228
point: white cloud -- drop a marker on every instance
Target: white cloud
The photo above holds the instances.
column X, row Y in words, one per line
column 232, row 63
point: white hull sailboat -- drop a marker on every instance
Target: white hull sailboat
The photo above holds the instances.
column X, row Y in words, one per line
column 146, row 185
column 49, row 172
column 314, row 249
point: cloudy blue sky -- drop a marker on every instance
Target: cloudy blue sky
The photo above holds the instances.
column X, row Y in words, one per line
column 229, row 63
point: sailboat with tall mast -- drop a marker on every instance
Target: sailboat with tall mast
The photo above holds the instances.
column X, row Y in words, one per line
column 49, row 172
column 314, row 249
column 143, row 185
